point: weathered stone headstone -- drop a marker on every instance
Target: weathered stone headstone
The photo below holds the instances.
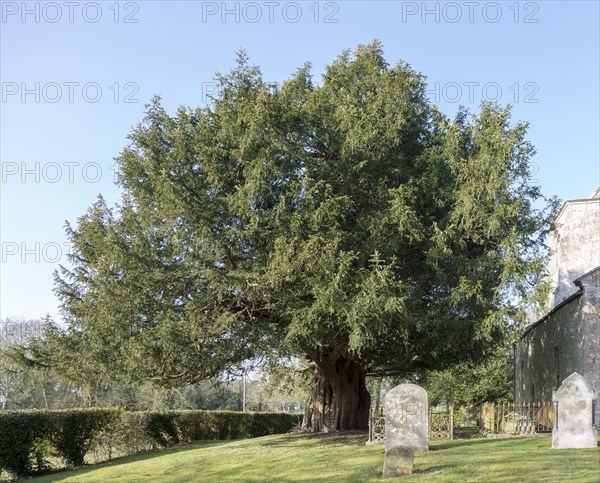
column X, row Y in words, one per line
column 398, row 461
column 573, row 405
column 407, row 418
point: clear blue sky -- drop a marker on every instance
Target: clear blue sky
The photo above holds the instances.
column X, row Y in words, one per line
column 66, row 71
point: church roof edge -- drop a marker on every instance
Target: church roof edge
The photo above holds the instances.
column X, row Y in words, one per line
column 569, row 299
column 595, row 198
column 578, row 280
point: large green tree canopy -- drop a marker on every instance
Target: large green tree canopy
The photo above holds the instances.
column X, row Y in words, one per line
column 346, row 221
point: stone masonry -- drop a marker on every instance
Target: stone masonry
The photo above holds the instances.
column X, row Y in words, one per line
column 575, row 247
column 566, row 338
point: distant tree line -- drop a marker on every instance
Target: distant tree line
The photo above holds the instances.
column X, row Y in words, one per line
column 24, row 385
column 276, row 387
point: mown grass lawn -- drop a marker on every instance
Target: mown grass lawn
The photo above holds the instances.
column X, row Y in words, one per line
column 301, row 457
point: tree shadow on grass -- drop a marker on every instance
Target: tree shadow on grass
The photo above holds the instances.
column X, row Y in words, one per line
column 64, row 473
column 340, row 438
column 457, row 443
column 433, row 471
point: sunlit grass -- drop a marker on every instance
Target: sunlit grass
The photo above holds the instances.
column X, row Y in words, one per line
column 300, row 457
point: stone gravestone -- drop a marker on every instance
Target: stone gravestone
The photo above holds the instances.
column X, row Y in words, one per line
column 398, row 461
column 407, row 418
column 406, row 428
column 573, row 406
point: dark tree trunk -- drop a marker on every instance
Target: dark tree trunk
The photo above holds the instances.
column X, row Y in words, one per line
column 339, row 398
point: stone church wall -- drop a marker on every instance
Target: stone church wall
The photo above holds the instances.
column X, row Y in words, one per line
column 575, row 249
column 567, row 340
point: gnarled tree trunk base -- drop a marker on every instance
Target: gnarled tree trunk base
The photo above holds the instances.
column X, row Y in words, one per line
column 339, row 398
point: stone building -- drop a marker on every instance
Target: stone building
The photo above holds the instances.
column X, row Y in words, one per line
column 575, row 248
column 567, row 338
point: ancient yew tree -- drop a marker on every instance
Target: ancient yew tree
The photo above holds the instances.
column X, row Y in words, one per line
column 346, row 221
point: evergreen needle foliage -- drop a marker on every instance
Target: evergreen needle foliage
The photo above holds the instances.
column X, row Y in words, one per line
column 348, row 222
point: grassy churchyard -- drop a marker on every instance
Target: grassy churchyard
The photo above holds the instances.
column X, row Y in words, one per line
column 345, row 457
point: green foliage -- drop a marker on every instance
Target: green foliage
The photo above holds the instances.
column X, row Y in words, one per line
column 161, row 428
column 74, row 431
column 348, row 218
column 284, row 385
column 472, row 384
column 21, row 385
column 26, row 435
column 19, row 433
column 196, row 425
column 29, row 438
column 165, row 429
column 219, row 397
column 27, row 386
column 25, row 383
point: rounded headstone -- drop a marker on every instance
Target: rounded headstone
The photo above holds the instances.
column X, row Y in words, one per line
column 407, row 418
column 573, row 422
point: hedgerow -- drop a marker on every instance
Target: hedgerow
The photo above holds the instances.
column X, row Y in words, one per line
column 28, row 439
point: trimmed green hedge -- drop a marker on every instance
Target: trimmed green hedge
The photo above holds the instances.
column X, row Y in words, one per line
column 74, row 432
column 28, row 438
column 197, row 425
column 24, row 436
column 147, row 430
